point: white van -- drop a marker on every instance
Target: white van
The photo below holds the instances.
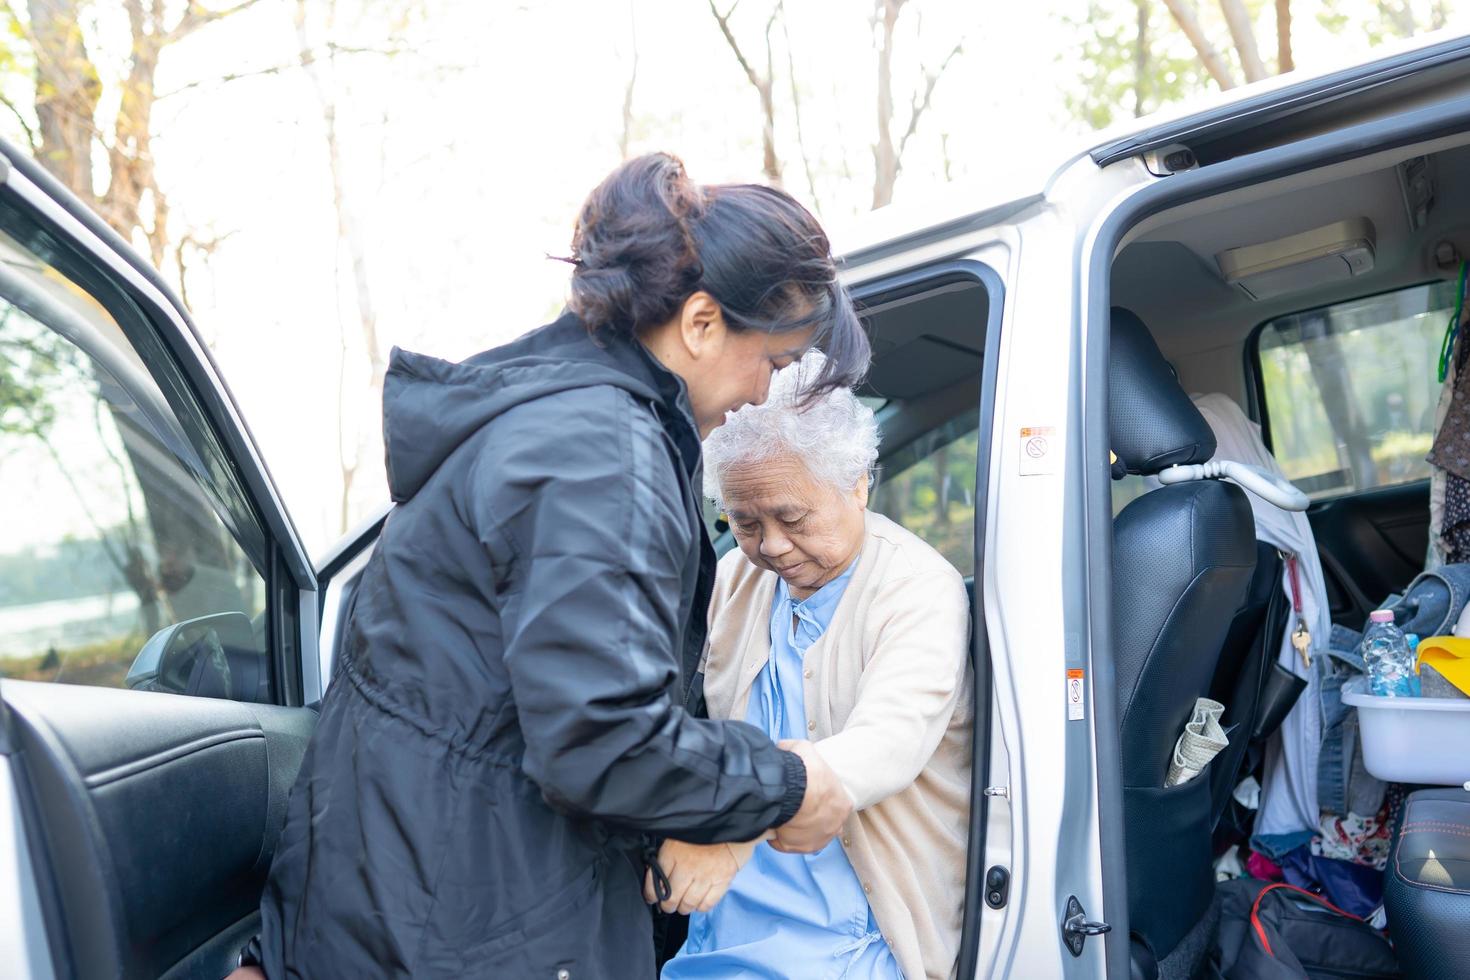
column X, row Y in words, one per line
column 136, row 828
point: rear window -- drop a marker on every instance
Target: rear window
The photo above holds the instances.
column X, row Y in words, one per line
column 1351, row 389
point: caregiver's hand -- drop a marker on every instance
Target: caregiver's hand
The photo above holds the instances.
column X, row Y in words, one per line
column 699, row 874
column 824, row 809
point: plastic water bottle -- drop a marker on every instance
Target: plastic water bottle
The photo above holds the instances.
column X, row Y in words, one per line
column 1390, row 662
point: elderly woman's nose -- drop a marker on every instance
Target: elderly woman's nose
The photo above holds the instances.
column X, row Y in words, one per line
column 775, row 545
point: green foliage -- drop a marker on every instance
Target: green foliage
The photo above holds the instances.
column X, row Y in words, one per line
column 929, row 488
column 1114, row 82
column 1383, row 20
column 34, row 366
column 1385, row 349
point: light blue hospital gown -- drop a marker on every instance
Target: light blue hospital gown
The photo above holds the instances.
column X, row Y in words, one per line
column 797, row 916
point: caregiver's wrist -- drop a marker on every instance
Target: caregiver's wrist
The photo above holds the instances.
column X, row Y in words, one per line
column 794, row 786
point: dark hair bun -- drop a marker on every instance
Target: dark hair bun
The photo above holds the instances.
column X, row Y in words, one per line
column 648, row 237
column 633, row 252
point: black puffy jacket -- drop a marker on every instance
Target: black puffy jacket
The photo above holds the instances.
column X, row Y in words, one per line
column 506, row 730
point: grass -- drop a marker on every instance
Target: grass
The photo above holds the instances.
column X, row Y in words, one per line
column 102, row 664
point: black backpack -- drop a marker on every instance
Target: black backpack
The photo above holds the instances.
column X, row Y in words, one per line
column 1276, row 931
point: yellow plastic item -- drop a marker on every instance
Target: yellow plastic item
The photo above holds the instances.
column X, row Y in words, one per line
column 1450, row 655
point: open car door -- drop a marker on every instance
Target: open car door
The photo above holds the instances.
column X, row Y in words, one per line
column 158, row 617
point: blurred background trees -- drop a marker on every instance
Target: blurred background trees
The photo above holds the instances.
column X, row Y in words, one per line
column 323, row 179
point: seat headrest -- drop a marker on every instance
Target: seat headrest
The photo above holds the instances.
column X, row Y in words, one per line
column 1153, row 424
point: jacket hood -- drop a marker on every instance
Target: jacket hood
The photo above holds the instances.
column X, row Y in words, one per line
column 431, row 406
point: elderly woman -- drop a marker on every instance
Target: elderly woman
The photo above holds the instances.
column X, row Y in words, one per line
column 835, row 625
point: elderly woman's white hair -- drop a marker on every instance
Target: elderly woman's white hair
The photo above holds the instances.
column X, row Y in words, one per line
column 834, row 434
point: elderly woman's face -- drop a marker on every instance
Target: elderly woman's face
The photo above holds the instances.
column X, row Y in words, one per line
column 797, row 525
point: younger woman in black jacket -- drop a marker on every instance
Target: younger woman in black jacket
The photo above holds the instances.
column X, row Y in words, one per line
column 515, row 719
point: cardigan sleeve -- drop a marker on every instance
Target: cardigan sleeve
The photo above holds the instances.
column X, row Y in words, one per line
column 918, row 635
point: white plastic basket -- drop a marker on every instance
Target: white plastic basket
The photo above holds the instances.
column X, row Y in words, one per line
column 1412, row 740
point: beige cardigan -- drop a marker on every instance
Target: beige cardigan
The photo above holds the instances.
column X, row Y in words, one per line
column 888, row 703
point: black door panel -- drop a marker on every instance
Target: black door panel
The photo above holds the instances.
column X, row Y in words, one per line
column 1372, row 544
column 158, row 816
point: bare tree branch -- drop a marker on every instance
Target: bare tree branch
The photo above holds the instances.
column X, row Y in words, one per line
column 806, row 160
column 724, row 22
column 197, row 16
column 350, row 235
column 232, row 77
column 1214, row 62
column 302, row 61
column 919, row 106
column 771, row 163
column 20, row 118
column 1238, row 19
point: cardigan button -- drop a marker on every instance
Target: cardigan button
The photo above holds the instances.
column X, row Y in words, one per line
column 811, row 726
column 847, row 842
column 806, row 673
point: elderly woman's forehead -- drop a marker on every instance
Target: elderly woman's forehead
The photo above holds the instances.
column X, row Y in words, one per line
column 780, row 474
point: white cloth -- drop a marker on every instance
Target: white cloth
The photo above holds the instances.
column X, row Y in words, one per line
column 1289, row 795
column 1201, row 741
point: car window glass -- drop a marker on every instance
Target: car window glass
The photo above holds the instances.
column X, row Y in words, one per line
column 928, row 486
column 1351, row 389
column 116, row 568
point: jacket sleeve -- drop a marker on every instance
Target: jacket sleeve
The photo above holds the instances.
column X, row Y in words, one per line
column 909, row 689
column 581, row 489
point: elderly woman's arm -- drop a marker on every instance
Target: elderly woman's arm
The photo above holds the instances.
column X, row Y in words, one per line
column 909, row 689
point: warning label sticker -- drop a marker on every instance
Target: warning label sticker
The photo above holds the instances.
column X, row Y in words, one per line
column 1038, row 450
column 1076, row 709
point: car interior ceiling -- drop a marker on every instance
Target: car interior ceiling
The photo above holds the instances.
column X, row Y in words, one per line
column 1167, row 272
column 1372, row 541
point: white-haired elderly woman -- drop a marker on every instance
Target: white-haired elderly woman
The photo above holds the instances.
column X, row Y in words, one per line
column 835, row 625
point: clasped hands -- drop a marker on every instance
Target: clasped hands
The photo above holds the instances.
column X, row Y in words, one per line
column 700, row 874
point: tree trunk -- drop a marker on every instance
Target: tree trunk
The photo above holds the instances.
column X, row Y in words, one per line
column 806, row 158
column 1330, row 371
column 130, row 158
column 67, row 92
column 1209, row 56
column 1238, row 19
column 885, row 154
column 1284, row 60
column 1141, row 61
column 625, row 138
column 350, row 235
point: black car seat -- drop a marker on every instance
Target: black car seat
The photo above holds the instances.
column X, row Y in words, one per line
column 1241, row 674
column 1182, row 560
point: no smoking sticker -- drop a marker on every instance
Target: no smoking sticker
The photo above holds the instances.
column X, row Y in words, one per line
column 1076, row 709
column 1038, row 450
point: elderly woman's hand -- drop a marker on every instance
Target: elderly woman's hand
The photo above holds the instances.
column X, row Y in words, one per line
column 824, row 809
column 699, row 874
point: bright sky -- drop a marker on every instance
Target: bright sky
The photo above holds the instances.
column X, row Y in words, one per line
column 467, row 153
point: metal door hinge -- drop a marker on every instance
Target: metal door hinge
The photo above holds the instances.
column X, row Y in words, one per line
column 1076, row 927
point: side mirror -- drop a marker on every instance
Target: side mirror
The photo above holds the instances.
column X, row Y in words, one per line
column 206, row 657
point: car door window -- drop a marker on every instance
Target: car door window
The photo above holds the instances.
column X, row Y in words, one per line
column 1350, row 389
column 117, row 567
column 928, row 486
